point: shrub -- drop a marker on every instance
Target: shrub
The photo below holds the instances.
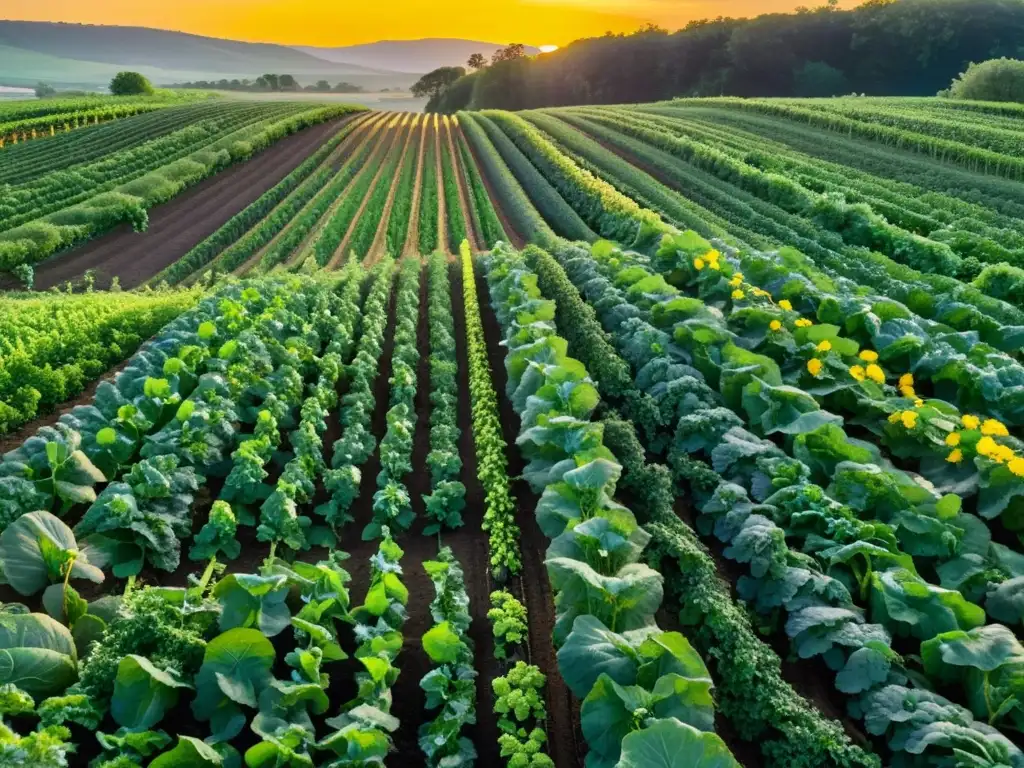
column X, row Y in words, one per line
column 992, row 80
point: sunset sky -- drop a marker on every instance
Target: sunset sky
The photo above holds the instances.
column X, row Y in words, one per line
column 346, row 22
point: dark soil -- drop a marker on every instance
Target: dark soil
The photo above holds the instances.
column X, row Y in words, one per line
column 178, row 225
column 565, row 742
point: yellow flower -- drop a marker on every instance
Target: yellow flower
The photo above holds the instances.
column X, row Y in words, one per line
column 698, row 264
column 907, row 380
column 987, row 447
column 894, row 418
column 1003, row 454
column 875, row 373
column 953, row 439
column 737, row 295
column 919, row 403
column 786, row 305
column 909, row 419
column 825, row 346
column 907, row 392
column 715, row 266
column 970, row 422
column 955, row 456
column 760, row 293
column 868, row 356
column 803, row 323
column 994, row 428
column 814, row 366
column 857, row 371
column 712, row 255
column 734, row 283
column 1017, row 467
column 775, row 325
column 737, row 276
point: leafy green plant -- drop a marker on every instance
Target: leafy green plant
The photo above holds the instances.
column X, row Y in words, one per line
column 217, row 536
column 508, row 623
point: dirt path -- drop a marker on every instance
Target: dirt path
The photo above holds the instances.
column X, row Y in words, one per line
column 178, row 225
column 564, row 745
column 442, row 206
column 476, row 238
column 510, row 231
column 412, row 235
column 394, row 136
column 460, row 182
column 364, row 132
column 379, row 245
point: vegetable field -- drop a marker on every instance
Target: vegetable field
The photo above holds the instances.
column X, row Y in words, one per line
column 688, row 435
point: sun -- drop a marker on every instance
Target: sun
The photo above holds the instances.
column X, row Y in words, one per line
column 548, row 48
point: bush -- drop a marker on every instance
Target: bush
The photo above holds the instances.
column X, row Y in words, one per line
column 130, row 84
column 993, row 80
column 1002, row 281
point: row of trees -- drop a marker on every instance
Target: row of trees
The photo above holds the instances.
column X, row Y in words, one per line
column 882, row 47
column 271, row 83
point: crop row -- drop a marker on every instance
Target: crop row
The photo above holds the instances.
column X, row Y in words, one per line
column 822, row 619
column 32, row 242
column 255, row 227
column 52, row 347
column 605, row 598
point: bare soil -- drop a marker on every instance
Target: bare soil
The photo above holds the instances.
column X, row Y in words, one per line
column 178, row 225
column 565, row 742
column 379, row 245
column 412, row 235
column 464, row 199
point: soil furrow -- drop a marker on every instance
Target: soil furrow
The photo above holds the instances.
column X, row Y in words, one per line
column 395, row 135
column 178, row 225
column 380, row 241
column 465, row 196
column 412, row 236
column 510, row 231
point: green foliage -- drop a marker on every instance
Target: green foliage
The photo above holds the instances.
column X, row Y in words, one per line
column 992, row 80
column 130, row 84
column 508, row 623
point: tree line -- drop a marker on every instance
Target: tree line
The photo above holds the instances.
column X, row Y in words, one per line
column 270, row 83
column 883, row 47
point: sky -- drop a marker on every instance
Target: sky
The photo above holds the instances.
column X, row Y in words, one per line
column 348, row 22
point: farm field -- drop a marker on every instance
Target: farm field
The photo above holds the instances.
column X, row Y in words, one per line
column 683, row 434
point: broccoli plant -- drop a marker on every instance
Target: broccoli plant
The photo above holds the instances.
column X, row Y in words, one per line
column 218, row 535
column 508, row 622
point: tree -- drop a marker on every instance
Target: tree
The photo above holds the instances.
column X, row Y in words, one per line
column 993, row 80
column 477, row 61
column 509, row 53
column 816, row 79
column 44, row 90
column 287, row 83
column 433, row 84
column 130, row 84
column 270, row 82
column 322, row 85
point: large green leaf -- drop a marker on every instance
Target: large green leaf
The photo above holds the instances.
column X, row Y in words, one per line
column 35, row 550
column 143, row 693
column 37, row 654
column 442, row 644
column 236, row 668
column 672, row 744
column 253, row 601
column 190, row 752
column 624, row 601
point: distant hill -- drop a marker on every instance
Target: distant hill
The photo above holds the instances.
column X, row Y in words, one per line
column 84, row 54
column 413, row 56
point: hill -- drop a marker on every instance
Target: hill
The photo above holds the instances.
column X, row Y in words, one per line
column 85, row 54
column 413, row 56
